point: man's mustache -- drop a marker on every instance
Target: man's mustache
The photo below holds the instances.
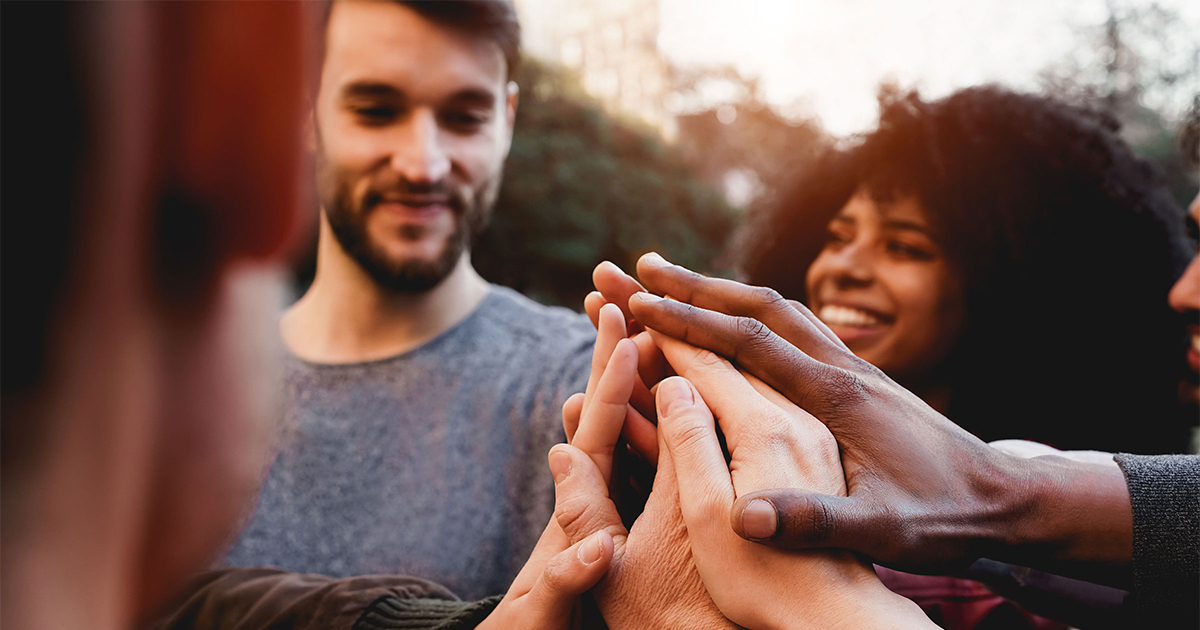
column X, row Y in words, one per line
column 420, row 194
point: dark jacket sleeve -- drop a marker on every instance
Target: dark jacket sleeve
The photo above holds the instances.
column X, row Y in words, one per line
column 1164, row 491
column 261, row 599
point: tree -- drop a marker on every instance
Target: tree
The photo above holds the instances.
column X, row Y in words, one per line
column 1141, row 65
column 582, row 186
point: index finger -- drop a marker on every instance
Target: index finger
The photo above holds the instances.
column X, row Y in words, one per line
column 788, row 318
column 616, row 286
column 806, row 381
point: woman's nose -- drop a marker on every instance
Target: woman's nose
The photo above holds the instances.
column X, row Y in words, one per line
column 853, row 264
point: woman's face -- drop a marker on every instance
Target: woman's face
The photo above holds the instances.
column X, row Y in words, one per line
column 884, row 286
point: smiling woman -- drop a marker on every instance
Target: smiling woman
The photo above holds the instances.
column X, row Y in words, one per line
column 884, row 285
column 996, row 253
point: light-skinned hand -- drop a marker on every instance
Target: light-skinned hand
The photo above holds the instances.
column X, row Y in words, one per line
column 652, row 581
column 772, row 443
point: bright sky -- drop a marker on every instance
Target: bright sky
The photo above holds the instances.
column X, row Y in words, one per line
column 832, row 54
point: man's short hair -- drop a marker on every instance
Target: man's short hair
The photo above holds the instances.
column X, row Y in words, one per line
column 494, row 20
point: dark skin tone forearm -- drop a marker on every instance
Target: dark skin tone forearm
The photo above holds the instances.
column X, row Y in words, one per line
column 924, row 494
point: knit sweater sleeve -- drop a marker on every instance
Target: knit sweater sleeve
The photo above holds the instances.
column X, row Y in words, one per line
column 391, row 612
column 262, row 598
column 1164, row 491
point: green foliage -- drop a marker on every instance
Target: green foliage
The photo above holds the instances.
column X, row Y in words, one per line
column 580, row 187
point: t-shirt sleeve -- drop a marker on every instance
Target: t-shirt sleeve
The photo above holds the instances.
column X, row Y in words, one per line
column 258, row 598
column 1164, row 491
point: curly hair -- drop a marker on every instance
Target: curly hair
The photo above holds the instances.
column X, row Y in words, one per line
column 1067, row 244
column 1189, row 134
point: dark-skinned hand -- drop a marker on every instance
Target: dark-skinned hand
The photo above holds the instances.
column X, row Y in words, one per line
column 924, row 495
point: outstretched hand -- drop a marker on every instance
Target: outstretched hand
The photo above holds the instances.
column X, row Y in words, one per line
column 923, row 494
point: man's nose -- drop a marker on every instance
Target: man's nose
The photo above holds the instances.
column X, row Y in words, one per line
column 420, row 156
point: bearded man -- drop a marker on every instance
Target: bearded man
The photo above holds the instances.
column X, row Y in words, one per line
column 420, row 400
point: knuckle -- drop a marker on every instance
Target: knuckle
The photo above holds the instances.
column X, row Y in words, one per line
column 843, row 389
column 689, row 436
column 578, row 517
column 554, row 576
column 768, row 298
column 708, row 360
column 819, row 522
column 753, row 332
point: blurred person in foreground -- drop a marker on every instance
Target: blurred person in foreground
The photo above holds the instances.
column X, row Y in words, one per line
column 420, row 400
column 151, row 193
column 138, row 392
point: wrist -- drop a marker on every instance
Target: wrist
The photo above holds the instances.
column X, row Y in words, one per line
column 866, row 603
column 1065, row 516
column 845, row 594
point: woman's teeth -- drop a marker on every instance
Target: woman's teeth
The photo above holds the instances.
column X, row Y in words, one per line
column 851, row 317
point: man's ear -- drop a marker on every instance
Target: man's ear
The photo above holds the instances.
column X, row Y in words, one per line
column 511, row 96
column 310, row 131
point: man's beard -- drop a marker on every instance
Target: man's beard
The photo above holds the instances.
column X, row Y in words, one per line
column 471, row 209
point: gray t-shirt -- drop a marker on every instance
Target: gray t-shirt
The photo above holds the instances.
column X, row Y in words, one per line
column 431, row 463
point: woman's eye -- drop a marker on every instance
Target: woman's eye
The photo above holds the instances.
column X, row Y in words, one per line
column 909, row 251
column 835, row 238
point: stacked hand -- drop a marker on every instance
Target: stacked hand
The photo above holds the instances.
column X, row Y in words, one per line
column 910, row 489
column 681, row 562
column 923, row 494
column 651, row 579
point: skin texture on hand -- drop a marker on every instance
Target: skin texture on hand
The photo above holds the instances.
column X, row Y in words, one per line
column 545, row 594
column 652, row 581
column 923, row 494
column 772, row 444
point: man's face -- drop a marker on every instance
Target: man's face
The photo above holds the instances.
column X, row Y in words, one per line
column 1185, row 298
column 413, row 122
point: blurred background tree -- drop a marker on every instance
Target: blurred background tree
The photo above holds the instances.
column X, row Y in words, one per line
column 1142, row 65
column 737, row 142
column 582, row 186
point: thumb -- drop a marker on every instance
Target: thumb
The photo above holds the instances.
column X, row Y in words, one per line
column 582, row 506
column 794, row 519
column 568, row 575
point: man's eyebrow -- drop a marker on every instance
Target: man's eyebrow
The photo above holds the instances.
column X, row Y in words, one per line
column 369, row 88
column 472, row 97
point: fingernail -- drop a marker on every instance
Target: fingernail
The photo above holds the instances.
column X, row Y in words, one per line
column 591, row 550
column 654, row 260
column 560, row 465
column 758, row 519
column 648, row 298
column 674, row 394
